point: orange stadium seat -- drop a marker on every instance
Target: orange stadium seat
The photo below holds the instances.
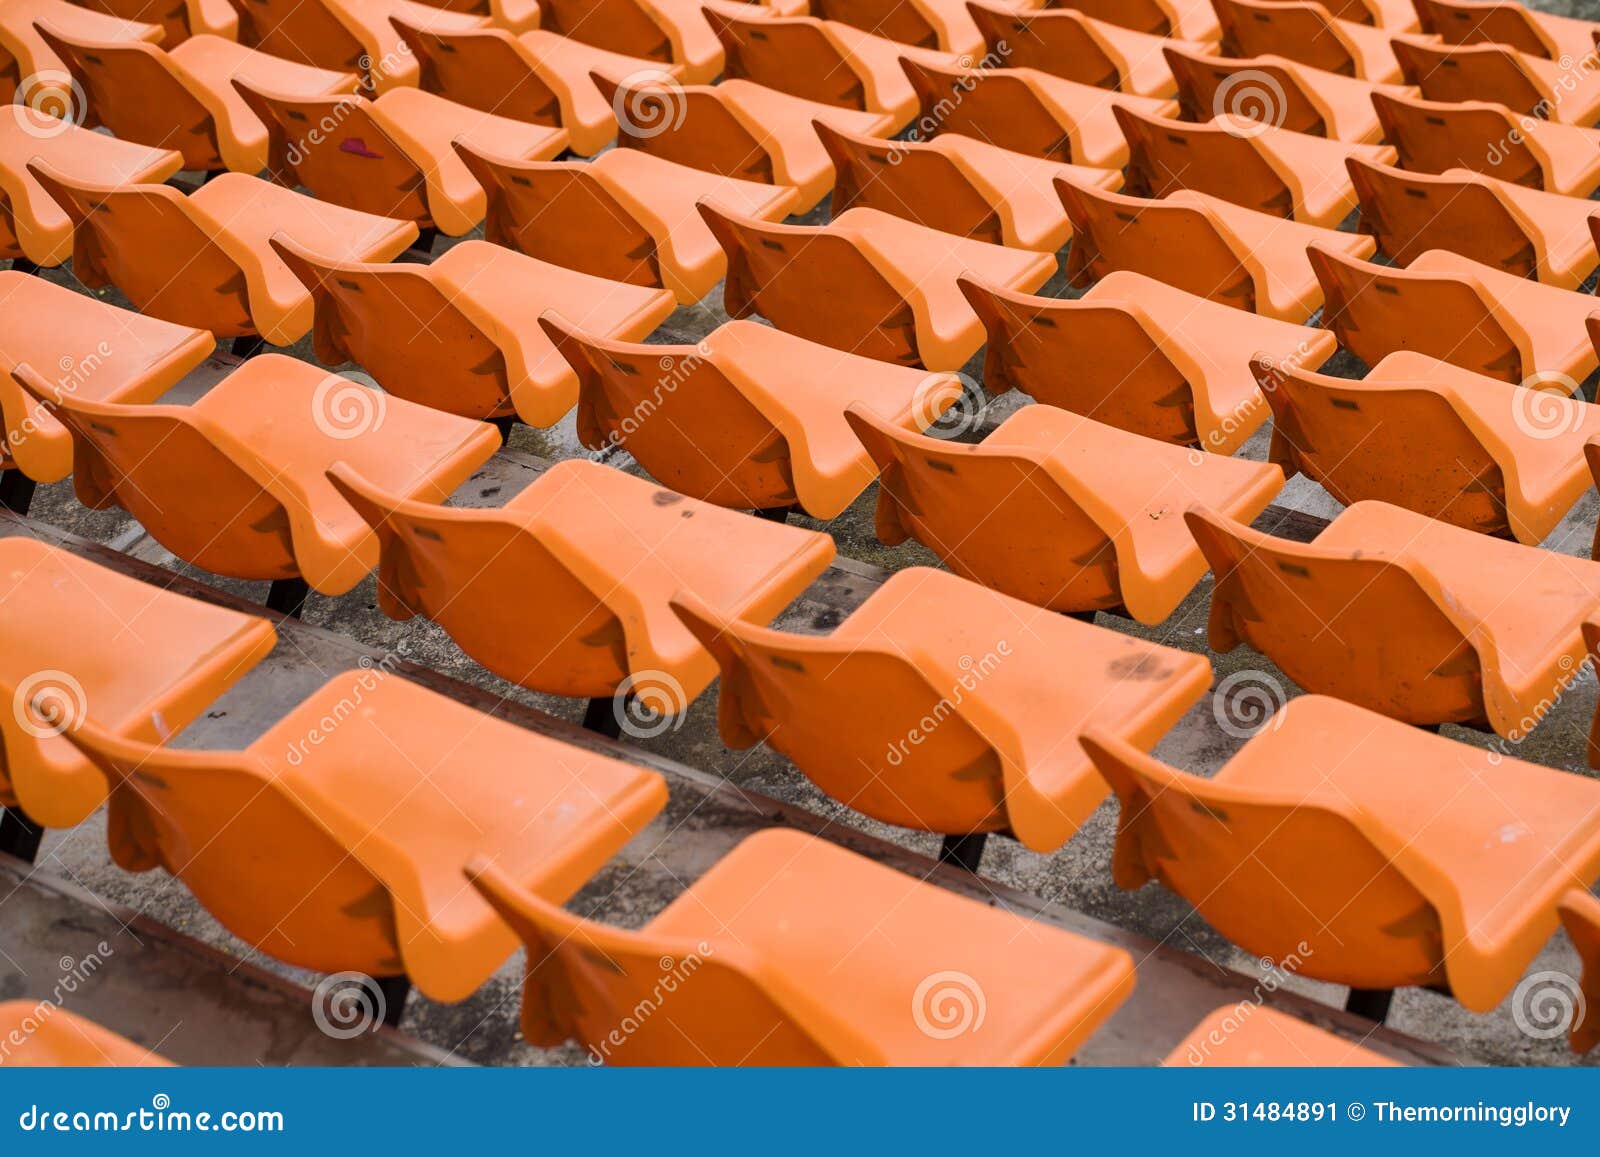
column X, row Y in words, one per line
column 393, row 156
column 1436, row 439
column 870, row 283
column 67, row 630
column 1057, row 510
column 33, row 227
column 626, row 215
column 1452, row 308
column 1181, row 19
column 1436, row 136
column 671, row 33
column 1247, row 163
column 1251, row 1035
column 179, row 19
column 44, row 1035
column 234, row 483
column 1515, row 25
column 565, row 588
column 1381, row 855
column 359, row 36
column 1580, row 915
column 205, row 259
column 31, row 73
column 750, row 418
column 945, row 25
column 1071, row 45
column 1279, row 92
column 1028, row 111
column 1205, row 246
column 959, row 185
column 478, row 350
column 737, row 129
column 515, row 16
column 1526, row 84
column 1525, row 232
column 537, row 77
column 1306, row 32
column 1405, row 615
column 185, row 97
column 940, row 706
column 780, row 979
column 319, row 847
column 1139, row 355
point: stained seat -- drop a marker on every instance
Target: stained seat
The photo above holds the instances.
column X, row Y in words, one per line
column 1208, row 247
column 205, row 259
column 940, row 706
column 235, row 482
column 1141, row 356
column 1459, row 311
column 1279, row 92
column 868, row 282
column 1436, row 439
column 671, row 33
column 1436, row 136
column 336, row 841
column 750, row 418
column 32, row 226
column 891, row 971
column 1405, row 615
column 564, row 589
column 184, row 98
column 1183, row 19
column 1057, row 510
column 1028, row 111
column 1525, row 232
column 92, row 349
column 67, row 628
column 44, row 1035
column 1251, row 1035
column 1545, row 34
column 627, row 215
column 1526, row 84
column 179, row 19
column 1382, row 855
column 1247, row 163
column 959, row 185
column 348, row 35
column 737, row 129
column 31, row 74
column 1580, row 916
column 393, row 156
column 479, row 351
column 1306, row 32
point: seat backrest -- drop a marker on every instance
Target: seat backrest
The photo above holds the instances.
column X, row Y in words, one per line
column 623, row 26
column 1481, row 23
column 1260, row 90
column 1139, row 15
column 1281, row 879
column 910, row 180
column 1164, row 156
column 1411, row 213
column 1051, row 41
column 691, row 126
column 993, row 106
column 171, row 15
column 1360, row 629
column 1297, row 30
column 1433, row 137
column 1450, row 74
column 300, row 30
column 790, row 54
column 482, row 69
column 892, row 19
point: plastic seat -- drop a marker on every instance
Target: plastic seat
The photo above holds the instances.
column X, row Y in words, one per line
column 751, row 418
column 1182, row 19
column 1205, row 246
column 1141, row 356
column 1306, row 32
column 515, row 16
column 1251, row 1035
column 34, row 227
column 393, row 156
column 92, row 349
column 30, row 69
column 357, row 36
column 1405, row 615
column 1057, row 510
column 1028, row 111
column 780, row 979
column 1513, row 25
column 336, row 841
column 959, row 185
column 868, row 282
column 1279, row 92
column 1396, row 857
column 564, row 589
column 1580, row 916
column 1436, row 439
column 1071, row 45
column 67, row 629
column 44, row 1035
column 1526, row 232
column 668, row 32
column 537, row 77
column 944, row 25
column 1528, row 85
column 185, row 97
column 235, row 482
column 179, row 20
column 1247, row 163
column 738, row 129
column 478, row 350
column 944, row 707
column 1454, row 309
column 627, row 215
column 822, row 60
column 205, row 259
